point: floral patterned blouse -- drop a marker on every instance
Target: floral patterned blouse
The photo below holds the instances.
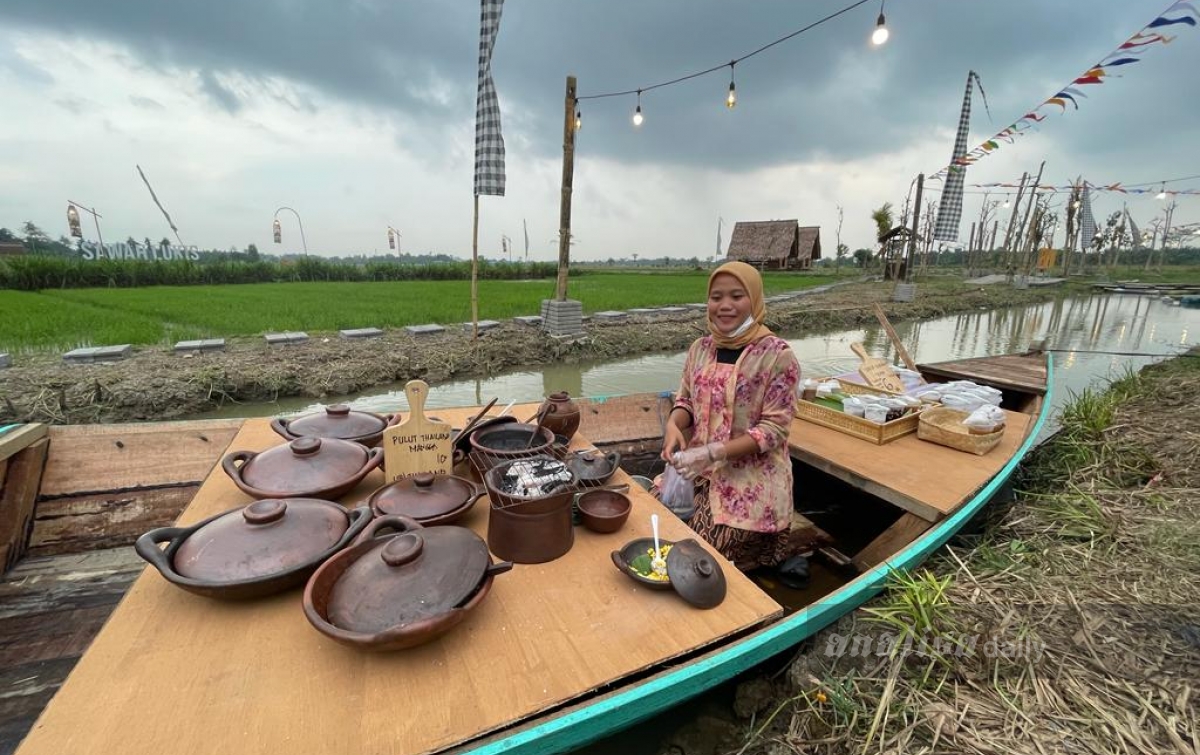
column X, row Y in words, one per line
column 756, row 396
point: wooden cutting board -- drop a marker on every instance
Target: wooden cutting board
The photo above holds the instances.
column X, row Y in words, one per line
column 417, row 444
column 877, row 372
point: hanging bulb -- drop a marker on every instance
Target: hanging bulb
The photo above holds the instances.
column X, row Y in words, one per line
column 880, row 35
column 1162, row 193
column 637, row 114
column 1005, row 202
column 731, row 98
column 578, row 120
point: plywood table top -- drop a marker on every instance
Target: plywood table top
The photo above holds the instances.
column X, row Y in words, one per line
column 174, row 672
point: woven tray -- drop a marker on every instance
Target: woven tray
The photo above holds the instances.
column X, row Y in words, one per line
column 944, row 426
column 857, row 426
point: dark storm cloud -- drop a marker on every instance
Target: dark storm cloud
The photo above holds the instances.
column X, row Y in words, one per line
column 825, row 93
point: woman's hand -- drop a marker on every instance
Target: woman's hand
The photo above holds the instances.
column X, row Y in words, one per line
column 673, row 441
column 699, row 461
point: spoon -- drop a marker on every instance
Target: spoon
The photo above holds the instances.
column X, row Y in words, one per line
column 658, row 563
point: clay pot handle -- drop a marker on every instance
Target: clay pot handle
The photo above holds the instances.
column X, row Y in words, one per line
column 147, row 547
column 374, row 459
column 614, row 460
column 497, row 568
column 231, row 466
column 397, row 523
column 618, row 561
column 360, row 517
column 280, row 426
column 391, row 420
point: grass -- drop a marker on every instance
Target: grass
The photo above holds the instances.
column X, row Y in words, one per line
column 56, row 318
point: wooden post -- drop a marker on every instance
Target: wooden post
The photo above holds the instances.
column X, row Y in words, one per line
column 1022, row 239
column 475, row 273
column 912, row 239
column 1012, row 221
column 568, row 176
column 896, row 342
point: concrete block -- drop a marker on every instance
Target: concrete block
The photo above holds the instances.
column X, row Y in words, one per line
column 696, row 305
column 611, row 314
column 642, row 311
column 528, row 320
column 92, row 354
column 208, row 344
column 483, row 325
column 276, row 339
column 424, row 330
column 904, row 292
column 361, row 333
column 672, row 310
column 5, row 361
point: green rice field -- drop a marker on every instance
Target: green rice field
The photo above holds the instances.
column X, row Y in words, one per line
column 67, row 318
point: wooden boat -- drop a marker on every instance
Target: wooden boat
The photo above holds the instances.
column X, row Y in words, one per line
column 559, row 655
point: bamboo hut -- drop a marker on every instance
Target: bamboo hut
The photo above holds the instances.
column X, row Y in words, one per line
column 775, row 244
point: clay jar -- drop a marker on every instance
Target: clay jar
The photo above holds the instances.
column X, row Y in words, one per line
column 560, row 414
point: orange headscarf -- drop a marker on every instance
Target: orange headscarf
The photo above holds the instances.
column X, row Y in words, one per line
column 752, row 282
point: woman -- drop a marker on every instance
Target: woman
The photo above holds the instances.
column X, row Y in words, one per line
column 738, row 397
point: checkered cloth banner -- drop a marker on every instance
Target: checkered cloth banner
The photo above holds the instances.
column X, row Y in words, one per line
column 1134, row 233
column 489, row 142
column 950, row 209
column 1087, row 222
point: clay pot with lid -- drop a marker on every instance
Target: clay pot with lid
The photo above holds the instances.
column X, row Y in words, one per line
column 593, row 467
column 400, row 590
column 560, row 414
column 337, row 421
column 427, row 498
column 252, row 551
column 304, row 468
column 692, row 572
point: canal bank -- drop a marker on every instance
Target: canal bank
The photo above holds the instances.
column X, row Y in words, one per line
column 1067, row 622
column 157, row 384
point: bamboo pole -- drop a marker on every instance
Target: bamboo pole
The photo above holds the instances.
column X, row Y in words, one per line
column 1012, row 221
column 475, row 273
column 916, row 225
column 1021, row 232
column 568, row 177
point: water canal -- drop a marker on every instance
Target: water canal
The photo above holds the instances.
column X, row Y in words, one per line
column 1094, row 338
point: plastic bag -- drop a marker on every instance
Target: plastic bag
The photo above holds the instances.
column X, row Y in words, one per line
column 677, row 493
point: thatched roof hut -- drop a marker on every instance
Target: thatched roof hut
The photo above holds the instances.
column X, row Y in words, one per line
column 775, row 244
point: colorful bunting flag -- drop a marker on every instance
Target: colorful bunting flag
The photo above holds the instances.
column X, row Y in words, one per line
column 1182, row 12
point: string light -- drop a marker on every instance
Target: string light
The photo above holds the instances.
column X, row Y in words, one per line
column 578, row 119
column 731, row 98
column 1005, row 202
column 1162, row 193
column 881, row 34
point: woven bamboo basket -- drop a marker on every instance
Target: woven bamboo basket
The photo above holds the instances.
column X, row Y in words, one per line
column 858, row 427
column 944, row 426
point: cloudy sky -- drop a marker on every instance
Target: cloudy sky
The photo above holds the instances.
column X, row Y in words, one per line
column 360, row 114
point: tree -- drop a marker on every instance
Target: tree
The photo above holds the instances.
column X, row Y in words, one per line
column 882, row 218
column 841, row 248
column 32, row 232
column 7, row 235
column 862, row 257
column 252, row 253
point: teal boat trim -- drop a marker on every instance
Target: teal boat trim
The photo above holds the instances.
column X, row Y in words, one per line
column 623, row 709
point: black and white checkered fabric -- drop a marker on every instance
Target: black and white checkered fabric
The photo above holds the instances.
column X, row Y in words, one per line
column 489, row 142
column 950, row 209
column 1135, row 234
column 1087, row 222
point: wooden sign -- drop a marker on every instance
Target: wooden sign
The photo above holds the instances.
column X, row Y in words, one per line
column 417, row 444
column 877, row 372
column 891, row 332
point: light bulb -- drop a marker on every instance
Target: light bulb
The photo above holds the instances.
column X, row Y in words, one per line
column 731, row 100
column 637, row 116
column 578, row 120
column 880, row 35
column 1006, row 203
column 1162, row 194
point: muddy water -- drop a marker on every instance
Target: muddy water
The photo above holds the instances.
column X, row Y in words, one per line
column 1083, row 331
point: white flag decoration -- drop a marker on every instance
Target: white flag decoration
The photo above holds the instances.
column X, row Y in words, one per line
column 489, row 142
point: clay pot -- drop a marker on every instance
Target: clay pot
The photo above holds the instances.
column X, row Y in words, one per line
column 400, row 590
column 593, row 467
column 604, row 511
column 337, row 421
column 252, row 551
column 560, row 414
column 304, row 468
column 427, row 498
column 692, row 571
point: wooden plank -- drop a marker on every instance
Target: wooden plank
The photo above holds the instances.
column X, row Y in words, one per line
column 67, row 583
column 902, row 532
column 20, row 437
column 624, row 418
column 27, row 689
column 17, row 498
column 547, row 634
column 899, row 472
column 94, row 458
column 104, row 520
column 1021, row 373
column 896, row 342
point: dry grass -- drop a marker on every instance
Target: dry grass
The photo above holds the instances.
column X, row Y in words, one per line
column 1091, row 582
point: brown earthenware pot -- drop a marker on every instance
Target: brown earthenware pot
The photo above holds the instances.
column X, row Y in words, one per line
column 252, row 551
column 427, row 498
column 337, row 421
column 304, row 468
column 560, row 414
column 593, row 467
column 399, row 590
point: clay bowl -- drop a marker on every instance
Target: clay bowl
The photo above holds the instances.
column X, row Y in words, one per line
column 631, row 550
column 604, row 511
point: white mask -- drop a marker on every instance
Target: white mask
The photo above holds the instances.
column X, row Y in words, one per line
column 749, row 321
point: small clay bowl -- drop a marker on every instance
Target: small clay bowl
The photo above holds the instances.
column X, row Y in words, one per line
column 604, row 511
column 632, row 550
